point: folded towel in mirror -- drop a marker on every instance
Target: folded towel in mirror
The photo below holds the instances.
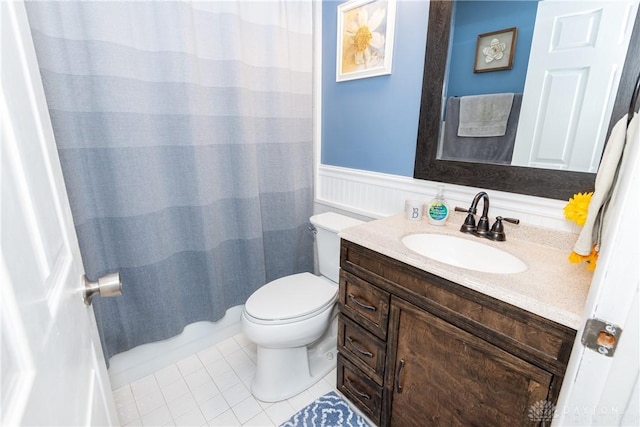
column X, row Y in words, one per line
column 492, row 149
column 484, row 115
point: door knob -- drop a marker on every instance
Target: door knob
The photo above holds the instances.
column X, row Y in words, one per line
column 106, row 286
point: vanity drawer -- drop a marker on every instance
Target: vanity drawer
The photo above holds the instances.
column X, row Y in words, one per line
column 362, row 348
column 364, row 303
column 359, row 389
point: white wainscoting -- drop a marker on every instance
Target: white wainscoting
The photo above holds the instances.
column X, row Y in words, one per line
column 379, row 195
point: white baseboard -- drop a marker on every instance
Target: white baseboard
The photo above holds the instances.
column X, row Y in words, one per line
column 148, row 358
column 377, row 195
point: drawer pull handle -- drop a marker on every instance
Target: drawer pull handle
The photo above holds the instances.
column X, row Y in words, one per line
column 365, row 306
column 359, row 350
column 398, row 386
column 359, row 393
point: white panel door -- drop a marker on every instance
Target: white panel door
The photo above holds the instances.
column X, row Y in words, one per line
column 600, row 390
column 577, row 54
column 53, row 369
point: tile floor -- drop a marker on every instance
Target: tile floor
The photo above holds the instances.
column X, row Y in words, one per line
column 210, row 388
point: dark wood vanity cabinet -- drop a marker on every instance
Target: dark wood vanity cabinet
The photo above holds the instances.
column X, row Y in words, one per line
column 416, row 349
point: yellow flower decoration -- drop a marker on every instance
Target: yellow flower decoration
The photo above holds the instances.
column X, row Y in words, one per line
column 591, row 259
column 576, row 209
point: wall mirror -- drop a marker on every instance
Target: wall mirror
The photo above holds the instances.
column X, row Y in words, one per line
column 544, row 181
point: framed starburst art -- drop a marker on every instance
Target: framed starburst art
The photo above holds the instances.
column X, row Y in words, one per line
column 495, row 50
column 365, row 38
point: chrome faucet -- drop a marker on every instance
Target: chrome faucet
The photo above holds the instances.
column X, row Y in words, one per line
column 482, row 228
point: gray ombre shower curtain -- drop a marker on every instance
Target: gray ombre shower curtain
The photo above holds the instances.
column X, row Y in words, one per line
column 184, row 130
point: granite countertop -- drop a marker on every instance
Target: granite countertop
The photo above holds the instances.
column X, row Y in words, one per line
column 551, row 287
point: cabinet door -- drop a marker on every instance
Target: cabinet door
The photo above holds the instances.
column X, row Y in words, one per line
column 442, row 375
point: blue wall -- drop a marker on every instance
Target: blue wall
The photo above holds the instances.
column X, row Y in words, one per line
column 478, row 17
column 372, row 124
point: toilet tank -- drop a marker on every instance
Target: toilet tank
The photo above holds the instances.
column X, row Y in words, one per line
column 328, row 225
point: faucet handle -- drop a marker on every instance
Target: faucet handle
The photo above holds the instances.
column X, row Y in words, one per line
column 469, row 225
column 497, row 229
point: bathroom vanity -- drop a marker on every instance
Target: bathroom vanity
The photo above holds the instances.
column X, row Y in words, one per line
column 425, row 343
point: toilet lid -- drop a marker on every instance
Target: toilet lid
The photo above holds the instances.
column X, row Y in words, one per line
column 292, row 296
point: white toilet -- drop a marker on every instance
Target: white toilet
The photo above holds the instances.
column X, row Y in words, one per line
column 289, row 320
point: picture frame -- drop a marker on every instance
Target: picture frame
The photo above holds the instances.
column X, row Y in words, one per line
column 495, row 50
column 365, row 39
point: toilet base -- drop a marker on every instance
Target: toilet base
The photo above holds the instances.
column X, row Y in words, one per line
column 283, row 373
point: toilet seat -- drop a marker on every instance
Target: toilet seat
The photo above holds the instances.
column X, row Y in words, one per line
column 291, row 299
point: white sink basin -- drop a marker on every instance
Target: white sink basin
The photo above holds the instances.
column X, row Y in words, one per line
column 464, row 253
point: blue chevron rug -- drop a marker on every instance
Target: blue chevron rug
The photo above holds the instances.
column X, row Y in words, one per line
column 329, row 410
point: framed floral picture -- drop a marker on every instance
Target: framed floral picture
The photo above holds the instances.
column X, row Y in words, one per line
column 495, row 50
column 365, row 38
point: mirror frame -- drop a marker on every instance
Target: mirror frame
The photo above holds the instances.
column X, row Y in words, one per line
column 549, row 183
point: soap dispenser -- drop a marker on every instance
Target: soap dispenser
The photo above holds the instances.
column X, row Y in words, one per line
column 438, row 210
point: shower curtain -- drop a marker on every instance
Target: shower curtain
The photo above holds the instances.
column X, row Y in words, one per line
column 184, row 131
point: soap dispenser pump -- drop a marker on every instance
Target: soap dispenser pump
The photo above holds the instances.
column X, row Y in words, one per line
column 438, row 210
